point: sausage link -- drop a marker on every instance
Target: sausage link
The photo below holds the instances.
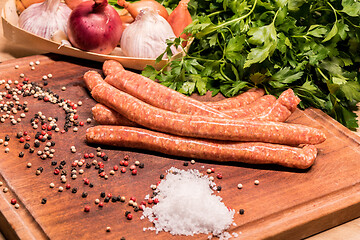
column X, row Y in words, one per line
column 106, row 116
column 221, row 151
column 240, row 100
column 204, row 127
column 111, row 67
column 259, row 106
column 92, row 78
column 159, row 95
column 282, row 109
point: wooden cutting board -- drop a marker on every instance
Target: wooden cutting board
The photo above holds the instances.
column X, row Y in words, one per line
column 287, row 204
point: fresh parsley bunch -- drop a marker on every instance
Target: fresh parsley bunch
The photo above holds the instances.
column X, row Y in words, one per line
column 310, row 46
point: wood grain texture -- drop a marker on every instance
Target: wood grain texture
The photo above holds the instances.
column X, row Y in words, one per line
column 286, row 204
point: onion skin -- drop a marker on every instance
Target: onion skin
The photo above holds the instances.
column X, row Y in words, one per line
column 135, row 7
column 95, row 27
column 180, row 18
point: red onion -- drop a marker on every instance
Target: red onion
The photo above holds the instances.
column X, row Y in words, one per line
column 95, row 26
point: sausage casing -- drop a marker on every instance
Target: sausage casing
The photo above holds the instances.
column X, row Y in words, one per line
column 221, row 151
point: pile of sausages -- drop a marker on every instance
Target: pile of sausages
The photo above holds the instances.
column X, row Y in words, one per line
column 136, row 112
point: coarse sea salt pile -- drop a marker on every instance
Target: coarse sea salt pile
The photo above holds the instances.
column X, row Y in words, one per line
column 187, row 206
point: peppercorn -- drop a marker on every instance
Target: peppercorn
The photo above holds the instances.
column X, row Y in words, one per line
column 114, row 199
column 107, row 199
column 241, row 211
column 162, row 176
column 129, row 216
column 91, row 185
column 141, row 165
column 74, row 190
column 43, row 201
column 134, row 172
column 31, row 150
column 218, row 188
column 53, row 163
column 26, row 146
column 127, row 213
column 87, row 209
column 186, row 164
column 21, row 154
column 84, row 194
column 101, row 204
column 102, row 194
column 7, row 138
column 13, row 201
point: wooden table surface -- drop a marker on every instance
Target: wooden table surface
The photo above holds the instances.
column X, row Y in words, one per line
column 350, row 230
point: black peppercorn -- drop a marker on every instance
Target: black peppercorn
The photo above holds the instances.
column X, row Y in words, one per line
column 102, row 194
column 7, row 138
column 127, row 213
column 141, row 165
column 26, row 146
column 74, row 190
column 162, row 176
column 63, row 163
column 37, row 144
column 107, row 199
column 114, row 199
column 31, row 150
column 88, row 165
column 91, row 185
column 218, row 188
column 241, row 211
column 84, row 194
column 43, row 201
column 21, row 154
column 53, row 163
column 186, row 164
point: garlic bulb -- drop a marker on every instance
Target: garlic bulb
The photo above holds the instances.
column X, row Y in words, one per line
column 43, row 19
column 146, row 36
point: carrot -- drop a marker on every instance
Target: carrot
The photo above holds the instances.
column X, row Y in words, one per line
column 135, row 7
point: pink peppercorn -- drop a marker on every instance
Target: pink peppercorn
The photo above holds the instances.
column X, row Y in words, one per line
column 126, row 163
column 150, row 201
column 219, row 176
column 49, row 128
column 101, row 204
column 121, row 163
column 56, row 171
column 68, row 186
column 123, row 170
column 134, row 172
column 22, row 139
column 43, row 132
column 132, row 167
column 81, row 123
column 46, row 99
column 27, row 138
column 86, row 181
column 13, row 201
column 116, row 168
column 143, row 203
column 76, row 117
column 43, row 127
column 25, row 133
column 129, row 216
column 74, row 164
column 87, row 209
column 86, row 155
column 212, row 170
column 109, row 195
column 102, row 154
column 133, row 199
column 102, row 174
column 91, row 155
column 156, row 200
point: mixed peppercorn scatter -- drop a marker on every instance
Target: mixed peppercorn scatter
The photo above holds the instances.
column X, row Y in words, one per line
column 74, row 175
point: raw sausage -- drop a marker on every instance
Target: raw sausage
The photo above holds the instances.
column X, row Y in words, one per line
column 240, row 100
column 159, row 95
column 282, row 109
column 253, row 109
column 222, row 151
column 107, row 116
column 204, row 127
column 112, row 67
column 92, row 78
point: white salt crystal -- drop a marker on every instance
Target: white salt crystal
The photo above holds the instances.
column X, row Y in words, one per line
column 188, row 206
